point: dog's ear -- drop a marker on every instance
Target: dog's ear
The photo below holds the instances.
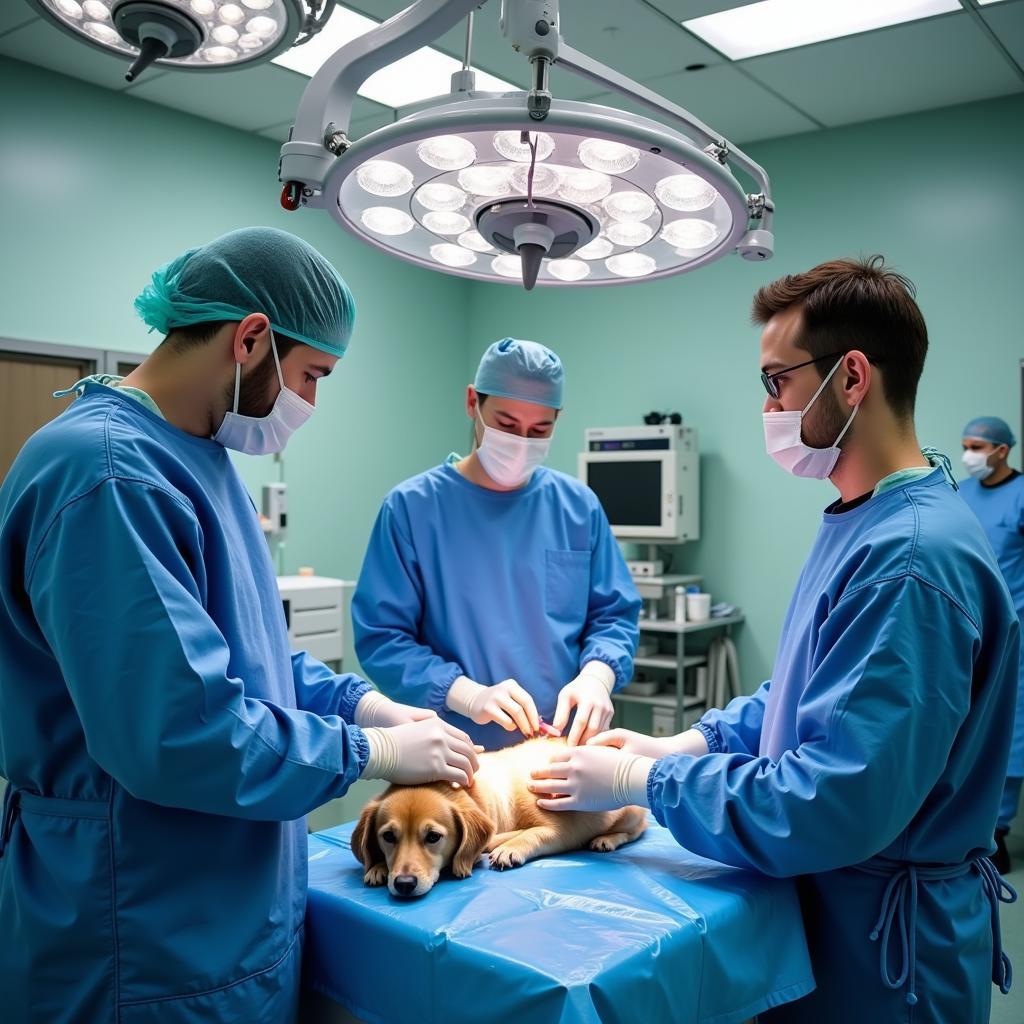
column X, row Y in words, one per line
column 475, row 830
column 364, row 837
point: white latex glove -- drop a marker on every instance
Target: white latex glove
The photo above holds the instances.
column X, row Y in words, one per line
column 374, row 710
column 590, row 694
column 690, row 741
column 506, row 703
column 592, row 779
column 430, row 750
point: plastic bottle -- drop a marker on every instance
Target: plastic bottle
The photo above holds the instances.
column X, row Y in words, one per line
column 680, row 604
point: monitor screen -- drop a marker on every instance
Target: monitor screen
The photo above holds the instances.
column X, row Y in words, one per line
column 629, row 491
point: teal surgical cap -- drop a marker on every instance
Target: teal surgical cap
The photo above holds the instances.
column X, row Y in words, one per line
column 523, row 370
column 991, row 429
column 254, row 270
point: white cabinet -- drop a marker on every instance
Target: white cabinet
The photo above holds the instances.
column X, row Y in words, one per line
column 314, row 612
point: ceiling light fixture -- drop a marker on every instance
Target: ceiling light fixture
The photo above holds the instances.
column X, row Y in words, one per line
column 190, row 35
column 554, row 192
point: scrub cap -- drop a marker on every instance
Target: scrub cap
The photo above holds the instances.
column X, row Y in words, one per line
column 523, row 370
column 254, row 270
column 991, row 429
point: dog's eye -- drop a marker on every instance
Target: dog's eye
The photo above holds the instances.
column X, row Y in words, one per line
column 433, row 837
column 388, row 836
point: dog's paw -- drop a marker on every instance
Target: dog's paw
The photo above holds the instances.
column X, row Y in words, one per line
column 461, row 873
column 506, row 856
column 607, row 843
column 377, row 875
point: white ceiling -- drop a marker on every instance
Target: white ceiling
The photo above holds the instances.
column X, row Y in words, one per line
column 972, row 54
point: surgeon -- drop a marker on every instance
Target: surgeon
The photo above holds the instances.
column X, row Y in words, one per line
column 492, row 590
column 995, row 493
column 871, row 765
column 162, row 745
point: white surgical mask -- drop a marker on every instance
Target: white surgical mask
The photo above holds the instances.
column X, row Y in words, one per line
column 976, row 463
column 262, row 435
column 785, row 445
column 508, row 459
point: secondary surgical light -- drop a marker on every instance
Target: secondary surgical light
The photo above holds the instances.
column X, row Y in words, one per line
column 522, row 185
column 192, row 35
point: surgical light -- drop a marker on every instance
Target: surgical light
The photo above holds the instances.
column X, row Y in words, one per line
column 189, row 35
column 549, row 191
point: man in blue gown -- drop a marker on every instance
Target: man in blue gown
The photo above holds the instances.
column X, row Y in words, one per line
column 995, row 493
column 493, row 590
column 162, row 745
column 871, row 764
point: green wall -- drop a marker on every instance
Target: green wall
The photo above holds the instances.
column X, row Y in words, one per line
column 942, row 208
column 97, row 189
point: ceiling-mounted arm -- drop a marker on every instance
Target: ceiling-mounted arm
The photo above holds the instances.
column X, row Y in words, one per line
column 716, row 146
column 306, row 157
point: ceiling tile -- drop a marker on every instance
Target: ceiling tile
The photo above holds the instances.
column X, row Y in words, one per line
column 684, row 10
column 897, row 70
column 631, row 37
column 248, row 98
column 1007, row 22
column 725, row 99
column 45, row 45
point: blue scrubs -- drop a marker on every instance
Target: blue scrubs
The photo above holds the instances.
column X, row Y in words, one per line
column 461, row 580
column 161, row 743
column 872, row 763
column 1001, row 512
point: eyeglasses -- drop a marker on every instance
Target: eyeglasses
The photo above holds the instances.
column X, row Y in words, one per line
column 768, row 379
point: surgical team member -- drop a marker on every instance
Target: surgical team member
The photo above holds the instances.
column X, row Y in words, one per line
column 492, row 590
column 995, row 493
column 161, row 744
column 871, row 764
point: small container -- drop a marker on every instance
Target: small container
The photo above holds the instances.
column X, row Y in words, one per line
column 698, row 607
column 680, row 604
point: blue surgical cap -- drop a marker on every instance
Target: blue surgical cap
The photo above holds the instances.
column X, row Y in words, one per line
column 523, row 370
column 991, row 429
column 254, row 270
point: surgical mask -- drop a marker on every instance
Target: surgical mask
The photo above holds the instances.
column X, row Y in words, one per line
column 510, row 460
column 783, row 441
column 263, row 435
column 976, row 463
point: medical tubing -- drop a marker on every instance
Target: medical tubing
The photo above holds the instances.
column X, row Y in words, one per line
column 899, row 910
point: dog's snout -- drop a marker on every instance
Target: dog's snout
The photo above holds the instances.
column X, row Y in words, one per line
column 405, row 885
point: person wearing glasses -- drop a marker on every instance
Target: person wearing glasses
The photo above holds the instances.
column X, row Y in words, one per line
column 871, row 765
column 994, row 491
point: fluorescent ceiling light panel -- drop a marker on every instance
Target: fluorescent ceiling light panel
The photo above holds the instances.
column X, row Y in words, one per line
column 983, row 2
column 422, row 74
column 774, row 25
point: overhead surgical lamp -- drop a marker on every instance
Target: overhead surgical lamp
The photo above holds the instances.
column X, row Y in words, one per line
column 522, row 185
column 190, row 35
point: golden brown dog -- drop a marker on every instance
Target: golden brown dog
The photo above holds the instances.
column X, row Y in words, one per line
column 409, row 834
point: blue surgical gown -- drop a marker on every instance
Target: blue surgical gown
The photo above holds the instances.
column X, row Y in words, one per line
column 875, row 754
column 1001, row 512
column 461, row 580
column 161, row 743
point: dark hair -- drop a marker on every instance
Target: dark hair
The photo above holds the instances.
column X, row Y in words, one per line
column 856, row 304
column 181, row 339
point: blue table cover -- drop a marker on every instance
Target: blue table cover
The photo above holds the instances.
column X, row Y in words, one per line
column 649, row 933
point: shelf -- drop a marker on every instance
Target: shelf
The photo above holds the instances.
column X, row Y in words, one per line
column 660, row 700
column 668, row 626
column 667, row 661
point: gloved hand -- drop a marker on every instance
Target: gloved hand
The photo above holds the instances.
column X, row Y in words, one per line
column 592, row 779
column 590, row 694
column 430, row 750
column 506, row 703
column 376, row 710
column 690, row 741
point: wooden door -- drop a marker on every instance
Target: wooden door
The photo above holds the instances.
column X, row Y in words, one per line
column 27, row 384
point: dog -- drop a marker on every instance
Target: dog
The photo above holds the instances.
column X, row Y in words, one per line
column 409, row 834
